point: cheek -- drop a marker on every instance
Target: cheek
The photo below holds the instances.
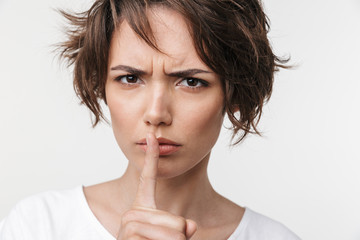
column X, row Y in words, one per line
column 123, row 107
column 204, row 122
column 116, row 108
column 122, row 117
column 117, row 121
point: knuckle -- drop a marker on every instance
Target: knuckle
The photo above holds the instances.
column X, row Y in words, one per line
column 129, row 216
column 131, row 229
column 141, row 179
column 178, row 236
column 181, row 223
column 145, row 178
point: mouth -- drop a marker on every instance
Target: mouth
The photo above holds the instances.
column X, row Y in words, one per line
column 166, row 146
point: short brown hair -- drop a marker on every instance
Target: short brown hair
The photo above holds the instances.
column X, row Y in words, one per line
column 230, row 36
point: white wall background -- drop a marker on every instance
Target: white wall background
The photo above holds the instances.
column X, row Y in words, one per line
column 305, row 172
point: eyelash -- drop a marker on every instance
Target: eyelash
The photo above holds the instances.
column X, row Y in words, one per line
column 202, row 82
column 118, row 79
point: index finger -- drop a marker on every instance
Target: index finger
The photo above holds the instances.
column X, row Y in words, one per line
column 145, row 196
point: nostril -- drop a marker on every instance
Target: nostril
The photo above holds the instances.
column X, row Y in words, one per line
column 157, row 111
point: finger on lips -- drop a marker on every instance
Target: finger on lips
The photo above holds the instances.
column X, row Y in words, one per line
column 145, row 196
column 144, row 220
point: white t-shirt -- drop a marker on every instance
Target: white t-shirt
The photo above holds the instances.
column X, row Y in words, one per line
column 65, row 215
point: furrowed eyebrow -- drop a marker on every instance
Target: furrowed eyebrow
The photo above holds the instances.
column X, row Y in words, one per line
column 187, row 73
column 139, row 72
column 129, row 69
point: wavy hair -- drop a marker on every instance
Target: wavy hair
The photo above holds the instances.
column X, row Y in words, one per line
column 230, row 36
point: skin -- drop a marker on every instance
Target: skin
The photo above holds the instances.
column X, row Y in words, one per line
column 158, row 195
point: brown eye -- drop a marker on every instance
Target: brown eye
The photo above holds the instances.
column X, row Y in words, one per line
column 131, row 79
column 193, row 83
column 128, row 79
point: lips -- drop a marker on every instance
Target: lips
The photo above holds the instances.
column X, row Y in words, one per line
column 166, row 146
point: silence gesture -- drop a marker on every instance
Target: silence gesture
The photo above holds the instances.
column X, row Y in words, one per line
column 144, row 221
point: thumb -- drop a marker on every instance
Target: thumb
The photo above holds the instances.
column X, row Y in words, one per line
column 191, row 228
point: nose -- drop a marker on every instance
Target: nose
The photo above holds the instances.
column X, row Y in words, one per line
column 158, row 106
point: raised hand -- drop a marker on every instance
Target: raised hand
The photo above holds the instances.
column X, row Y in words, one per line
column 144, row 221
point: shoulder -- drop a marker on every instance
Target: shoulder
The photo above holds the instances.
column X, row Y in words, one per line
column 49, row 211
column 49, row 203
column 255, row 226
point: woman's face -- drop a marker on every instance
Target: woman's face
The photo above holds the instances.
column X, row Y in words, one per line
column 171, row 94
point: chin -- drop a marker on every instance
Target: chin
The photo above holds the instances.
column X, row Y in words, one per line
column 170, row 168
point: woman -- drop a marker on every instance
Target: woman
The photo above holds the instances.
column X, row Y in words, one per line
column 169, row 71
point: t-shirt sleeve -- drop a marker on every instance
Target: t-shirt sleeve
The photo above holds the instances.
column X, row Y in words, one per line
column 264, row 227
column 52, row 215
column 11, row 227
column 255, row 226
column 27, row 220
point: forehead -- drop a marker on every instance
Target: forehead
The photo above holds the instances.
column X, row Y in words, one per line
column 171, row 35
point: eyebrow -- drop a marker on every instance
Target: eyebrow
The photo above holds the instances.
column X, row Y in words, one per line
column 139, row 72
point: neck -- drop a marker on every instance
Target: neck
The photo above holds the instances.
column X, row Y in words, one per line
column 187, row 195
